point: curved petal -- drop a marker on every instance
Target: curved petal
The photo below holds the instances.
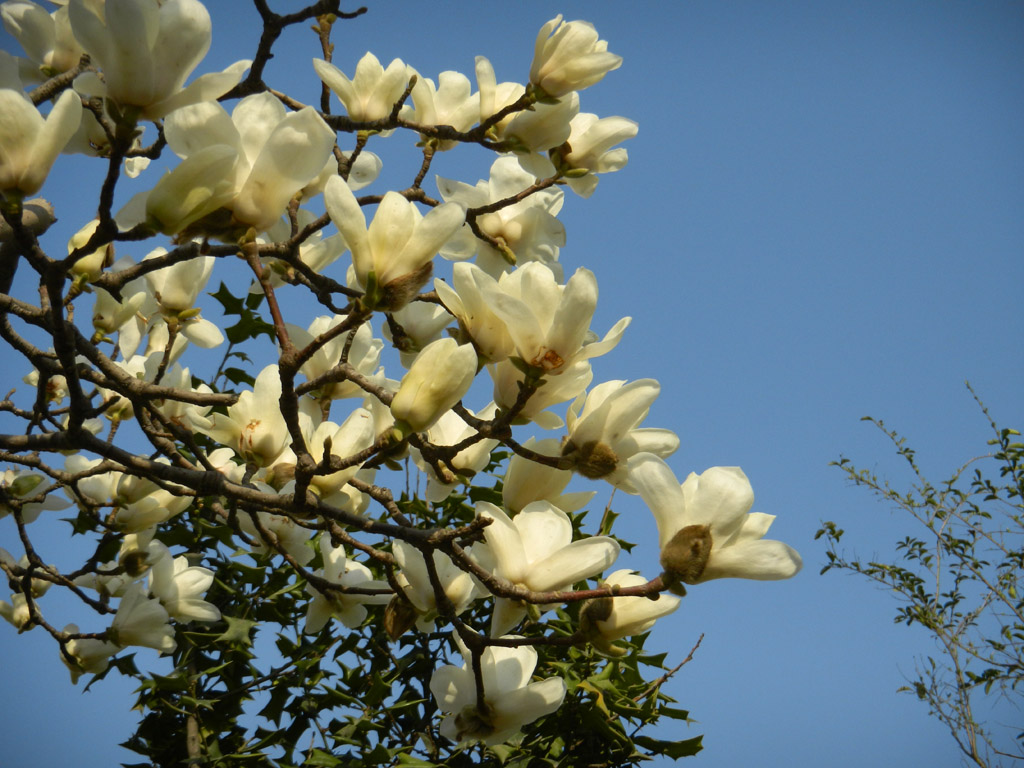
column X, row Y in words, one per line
column 203, row 333
column 197, row 126
column 520, row 707
column 506, row 669
column 505, row 542
column 506, row 615
column 573, row 563
column 660, row 442
column 256, row 118
column 294, row 154
column 719, row 497
column 453, row 688
column 181, row 42
column 350, row 220
column 571, row 320
column 126, row 59
column 193, row 609
column 199, row 185
column 393, row 224
column 31, row 25
column 208, row 87
column 761, row 559
column 335, row 79
column 58, row 128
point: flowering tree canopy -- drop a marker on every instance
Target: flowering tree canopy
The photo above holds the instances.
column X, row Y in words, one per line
column 214, row 511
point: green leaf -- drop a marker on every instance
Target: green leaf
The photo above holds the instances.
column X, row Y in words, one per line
column 237, row 632
column 320, row 758
column 404, row 759
column 673, row 749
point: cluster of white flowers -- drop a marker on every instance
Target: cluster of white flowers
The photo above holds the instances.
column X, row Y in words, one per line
column 507, row 308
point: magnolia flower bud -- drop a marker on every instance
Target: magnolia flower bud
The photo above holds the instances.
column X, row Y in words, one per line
column 568, row 57
column 441, row 374
column 89, row 266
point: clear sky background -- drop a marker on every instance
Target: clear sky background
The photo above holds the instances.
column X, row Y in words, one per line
column 820, row 220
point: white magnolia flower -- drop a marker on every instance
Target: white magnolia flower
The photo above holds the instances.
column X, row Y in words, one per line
column 55, row 388
column 86, row 654
column 45, row 37
column 29, row 144
column 590, row 150
column 608, row 619
column 179, row 587
column 439, row 377
column 535, row 550
column 253, row 426
column 705, row 526
column 550, row 323
column 372, row 93
column 451, row 103
column 458, row 585
column 138, row 552
column 238, row 171
column 37, row 586
column 383, row 421
column 393, row 258
column 142, row 620
column 569, row 57
column 527, row 230
column 527, row 481
column 89, row 487
column 117, row 407
column 349, row 608
column 604, row 431
column 175, row 289
column 510, row 699
column 146, row 50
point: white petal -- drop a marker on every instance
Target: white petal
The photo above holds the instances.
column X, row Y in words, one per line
column 763, row 559
column 579, row 560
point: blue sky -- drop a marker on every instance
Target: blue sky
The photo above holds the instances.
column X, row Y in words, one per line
column 820, row 220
